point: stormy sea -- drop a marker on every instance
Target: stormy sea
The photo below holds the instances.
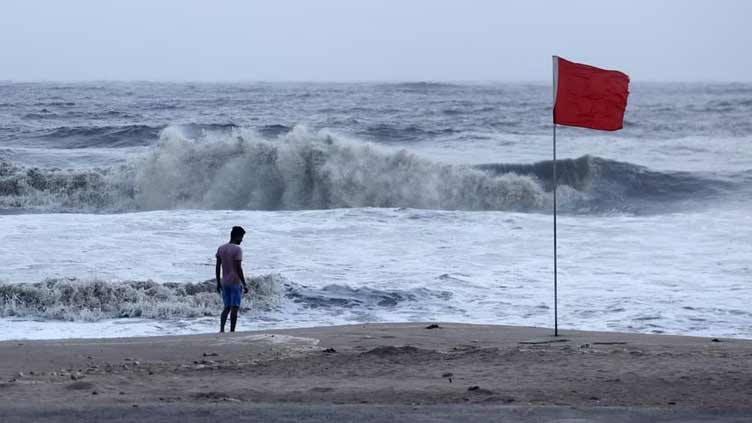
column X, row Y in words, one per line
column 371, row 202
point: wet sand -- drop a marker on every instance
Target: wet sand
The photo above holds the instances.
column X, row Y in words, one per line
column 402, row 365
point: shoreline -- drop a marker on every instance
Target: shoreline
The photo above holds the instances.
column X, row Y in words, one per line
column 401, row 364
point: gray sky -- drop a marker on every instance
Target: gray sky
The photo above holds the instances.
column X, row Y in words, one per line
column 356, row 40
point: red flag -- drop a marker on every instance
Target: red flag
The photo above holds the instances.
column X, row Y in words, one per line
column 589, row 97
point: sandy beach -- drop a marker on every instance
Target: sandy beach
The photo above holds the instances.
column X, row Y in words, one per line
column 397, row 365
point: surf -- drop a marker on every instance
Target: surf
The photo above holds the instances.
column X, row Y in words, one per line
column 227, row 167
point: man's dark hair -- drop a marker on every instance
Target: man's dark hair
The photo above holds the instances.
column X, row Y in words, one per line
column 237, row 231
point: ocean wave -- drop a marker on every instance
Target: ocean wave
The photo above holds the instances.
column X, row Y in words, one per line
column 55, row 103
column 392, row 133
column 344, row 296
column 233, row 168
column 419, row 86
column 46, row 114
column 74, row 299
column 240, row 170
column 614, row 186
column 75, row 137
column 98, row 136
column 273, row 130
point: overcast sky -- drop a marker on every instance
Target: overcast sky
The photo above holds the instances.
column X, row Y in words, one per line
column 360, row 40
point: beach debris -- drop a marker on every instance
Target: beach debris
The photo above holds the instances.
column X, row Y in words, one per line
column 448, row 374
column 584, row 346
column 94, row 393
column 715, row 340
column 210, row 354
column 610, row 343
column 330, row 351
column 433, row 326
column 20, row 375
column 473, row 388
column 76, row 376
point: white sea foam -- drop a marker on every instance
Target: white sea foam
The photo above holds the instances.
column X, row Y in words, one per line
column 360, row 265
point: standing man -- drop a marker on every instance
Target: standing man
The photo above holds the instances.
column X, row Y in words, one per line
column 229, row 258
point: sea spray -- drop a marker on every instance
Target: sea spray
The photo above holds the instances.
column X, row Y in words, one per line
column 305, row 170
column 242, row 170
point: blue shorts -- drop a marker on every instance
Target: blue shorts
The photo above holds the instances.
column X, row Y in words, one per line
column 231, row 295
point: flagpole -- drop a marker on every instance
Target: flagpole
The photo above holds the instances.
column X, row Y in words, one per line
column 578, row 92
column 556, row 270
column 556, row 299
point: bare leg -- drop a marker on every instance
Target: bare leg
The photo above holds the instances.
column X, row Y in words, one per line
column 223, row 319
column 233, row 318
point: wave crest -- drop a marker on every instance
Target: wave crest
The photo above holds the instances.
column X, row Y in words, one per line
column 241, row 170
column 235, row 168
column 73, row 299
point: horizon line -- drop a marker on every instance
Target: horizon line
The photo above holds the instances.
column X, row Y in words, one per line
column 350, row 81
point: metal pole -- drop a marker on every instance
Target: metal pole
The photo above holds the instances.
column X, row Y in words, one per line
column 556, row 299
column 556, row 268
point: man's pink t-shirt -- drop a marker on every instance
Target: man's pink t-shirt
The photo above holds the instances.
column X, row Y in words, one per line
column 229, row 253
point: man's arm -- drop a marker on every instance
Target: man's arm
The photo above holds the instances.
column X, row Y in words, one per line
column 217, row 269
column 239, row 270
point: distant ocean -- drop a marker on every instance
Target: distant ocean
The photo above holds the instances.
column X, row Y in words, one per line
column 370, row 203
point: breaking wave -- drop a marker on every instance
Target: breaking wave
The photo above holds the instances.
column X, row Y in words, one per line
column 614, row 186
column 233, row 168
column 241, row 170
column 81, row 300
